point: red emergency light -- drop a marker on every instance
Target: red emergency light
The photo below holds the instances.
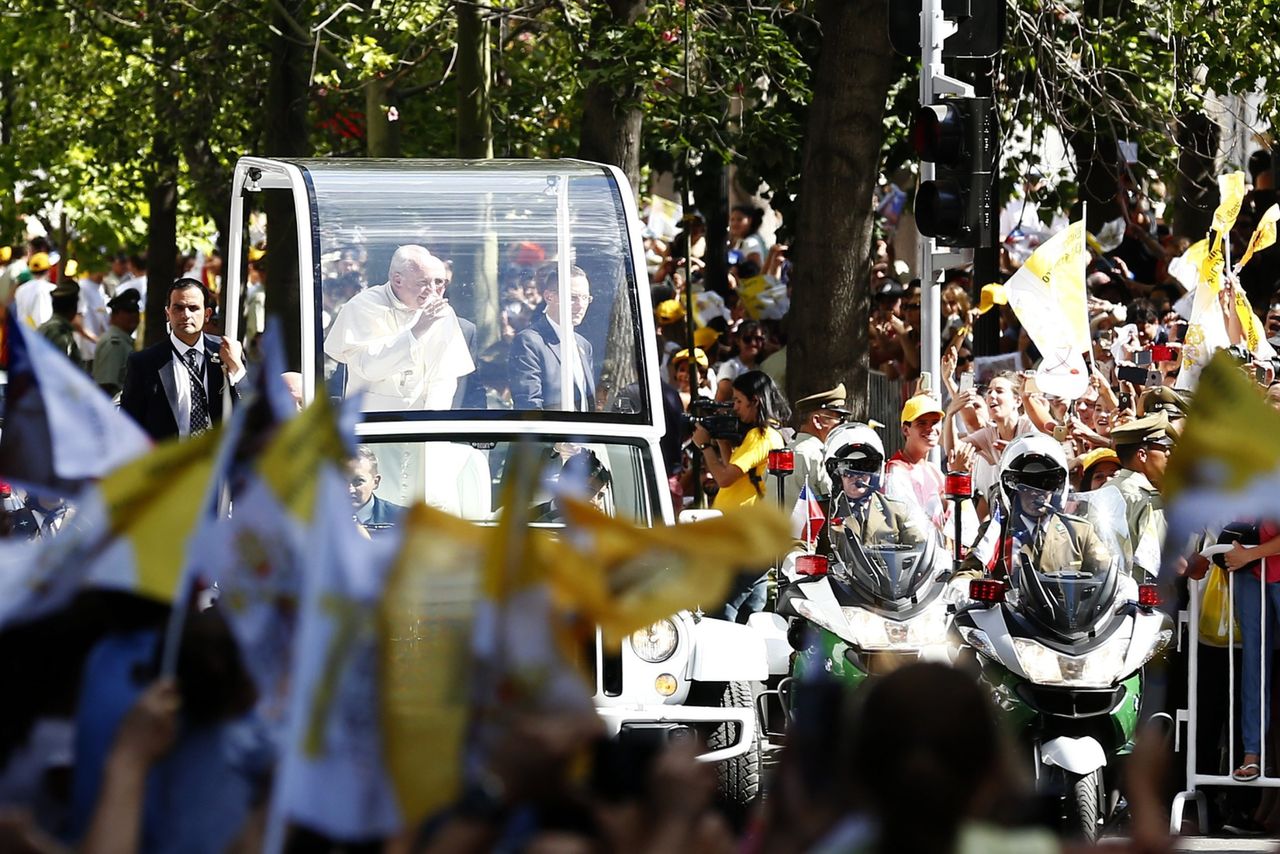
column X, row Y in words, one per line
column 812, row 565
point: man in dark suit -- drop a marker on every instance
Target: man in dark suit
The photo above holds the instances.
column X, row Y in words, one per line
column 535, row 362
column 175, row 387
column 369, row 510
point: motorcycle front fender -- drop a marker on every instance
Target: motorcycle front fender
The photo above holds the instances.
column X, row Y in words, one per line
column 1078, row 755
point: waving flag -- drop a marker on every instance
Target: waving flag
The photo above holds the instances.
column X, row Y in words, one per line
column 1048, row 295
column 1264, row 236
column 807, row 517
column 333, row 778
column 1227, row 464
column 60, row 429
column 130, row 532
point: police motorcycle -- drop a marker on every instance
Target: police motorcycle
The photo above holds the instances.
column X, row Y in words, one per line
column 879, row 595
column 1060, row 631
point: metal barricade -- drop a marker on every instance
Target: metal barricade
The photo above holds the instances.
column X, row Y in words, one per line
column 885, row 405
column 1195, row 779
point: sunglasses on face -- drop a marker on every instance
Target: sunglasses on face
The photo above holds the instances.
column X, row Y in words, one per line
column 963, row 360
column 753, row 339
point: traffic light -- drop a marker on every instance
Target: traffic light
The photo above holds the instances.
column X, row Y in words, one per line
column 957, row 135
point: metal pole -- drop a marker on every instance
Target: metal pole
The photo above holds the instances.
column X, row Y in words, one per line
column 932, row 33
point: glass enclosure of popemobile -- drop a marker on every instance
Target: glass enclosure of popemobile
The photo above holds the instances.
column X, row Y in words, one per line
column 440, row 291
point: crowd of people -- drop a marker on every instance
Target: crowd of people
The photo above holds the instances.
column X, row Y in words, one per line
column 177, row 768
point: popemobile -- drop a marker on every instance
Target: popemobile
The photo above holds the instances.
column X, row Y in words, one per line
column 410, row 282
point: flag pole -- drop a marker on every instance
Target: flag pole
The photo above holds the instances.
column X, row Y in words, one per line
column 210, row 504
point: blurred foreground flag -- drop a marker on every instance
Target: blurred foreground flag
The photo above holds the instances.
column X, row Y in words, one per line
column 623, row 577
column 60, row 429
column 333, row 779
column 1048, row 295
column 130, row 532
column 1226, row 465
column 257, row 554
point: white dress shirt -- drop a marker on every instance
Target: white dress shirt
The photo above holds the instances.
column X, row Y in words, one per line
column 182, row 381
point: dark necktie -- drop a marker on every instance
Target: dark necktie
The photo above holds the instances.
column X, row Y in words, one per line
column 199, row 397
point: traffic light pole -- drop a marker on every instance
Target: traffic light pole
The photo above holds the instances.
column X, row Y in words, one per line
column 934, row 30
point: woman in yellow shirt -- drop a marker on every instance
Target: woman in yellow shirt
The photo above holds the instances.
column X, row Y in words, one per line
column 739, row 470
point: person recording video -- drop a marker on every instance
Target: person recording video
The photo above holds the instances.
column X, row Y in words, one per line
column 739, row 468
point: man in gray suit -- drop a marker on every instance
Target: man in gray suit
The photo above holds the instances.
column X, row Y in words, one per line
column 535, row 362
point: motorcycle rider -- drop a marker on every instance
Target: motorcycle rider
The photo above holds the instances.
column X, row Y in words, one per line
column 854, row 458
column 1030, row 528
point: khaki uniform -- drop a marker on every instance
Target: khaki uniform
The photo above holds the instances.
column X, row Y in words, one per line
column 808, row 450
column 59, row 332
column 1070, row 544
column 108, row 364
column 878, row 521
column 1144, row 515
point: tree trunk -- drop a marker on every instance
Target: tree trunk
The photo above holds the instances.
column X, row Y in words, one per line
column 1197, row 175
column 162, row 224
column 286, row 135
column 1101, row 166
column 382, row 134
column 475, row 125
column 831, row 297
column 612, row 117
column 711, row 195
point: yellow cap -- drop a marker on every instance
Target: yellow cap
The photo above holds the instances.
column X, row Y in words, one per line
column 705, row 336
column 683, row 356
column 72, row 268
column 669, row 311
column 921, row 404
column 6, row 253
column 39, row 262
column 256, row 254
column 992, row 295
column 1098, row 455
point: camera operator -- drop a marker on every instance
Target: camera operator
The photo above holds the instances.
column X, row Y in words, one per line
column 739, row 467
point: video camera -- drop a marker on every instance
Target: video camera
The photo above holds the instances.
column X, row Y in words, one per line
column 718, row 420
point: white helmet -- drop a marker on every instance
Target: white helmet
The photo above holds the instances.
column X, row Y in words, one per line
column 855, row 443
column 1035, row 461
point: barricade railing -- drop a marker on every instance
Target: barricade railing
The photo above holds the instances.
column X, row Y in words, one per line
column 1190, row 715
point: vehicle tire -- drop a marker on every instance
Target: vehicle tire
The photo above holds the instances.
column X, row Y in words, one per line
column 737, row 779
column 1083, row 795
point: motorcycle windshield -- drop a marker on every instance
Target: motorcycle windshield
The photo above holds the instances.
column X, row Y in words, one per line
column 887, row 548
column 1066, row 565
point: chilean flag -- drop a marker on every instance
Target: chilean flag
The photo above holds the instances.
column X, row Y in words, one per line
column 807, row 517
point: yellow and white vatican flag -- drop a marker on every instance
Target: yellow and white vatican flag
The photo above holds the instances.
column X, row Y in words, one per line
column 1264, row 236
column 1049, row 296
column 623, row 577
column 130, row 532
column 332, row 777
column 1226, row 466
column 1207, row 329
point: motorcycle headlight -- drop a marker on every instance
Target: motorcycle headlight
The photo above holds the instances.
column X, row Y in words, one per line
column 871, row 631
column 1163, row 639
column 655, row 642
column 1099, row 668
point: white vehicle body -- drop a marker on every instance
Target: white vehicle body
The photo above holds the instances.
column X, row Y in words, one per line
column 332, row 220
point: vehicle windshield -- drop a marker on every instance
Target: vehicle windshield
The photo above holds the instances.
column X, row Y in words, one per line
column 1068, row 556
column 887, row 547
column 464, row 478
column 449, row 289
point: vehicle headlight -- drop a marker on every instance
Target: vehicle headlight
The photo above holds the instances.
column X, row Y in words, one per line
column 871, row 631
column 655, row 642
column 1099, row 668
column 1163, row 639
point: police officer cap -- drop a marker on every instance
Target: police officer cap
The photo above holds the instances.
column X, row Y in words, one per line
column 1153, row 428
column 1163, row 399
column 833, row 399
column 66, row 289
column 126, row 300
